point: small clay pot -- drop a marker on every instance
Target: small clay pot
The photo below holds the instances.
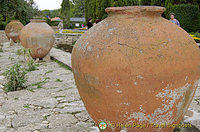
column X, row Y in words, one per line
column 136, row 69
column 37, row 36
column 13, row 29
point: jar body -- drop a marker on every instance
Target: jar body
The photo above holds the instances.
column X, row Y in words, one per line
column 142, row 70
column 39, row 37
column 13, row 29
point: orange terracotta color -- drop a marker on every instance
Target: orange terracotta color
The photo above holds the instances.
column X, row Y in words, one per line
column 37, row 36
column 12, row 30
column 136, row 67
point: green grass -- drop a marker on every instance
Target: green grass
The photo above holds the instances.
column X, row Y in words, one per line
column 26, row 106
column 40, row 83
column 31, row 90
column 197, row 100
column 58, row 80
column 62, row 65
column 16, row 98
column 31, row 65
column 59, row 97
column 49, row 72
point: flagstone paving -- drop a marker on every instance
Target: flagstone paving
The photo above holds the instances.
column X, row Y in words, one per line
column 52, row 102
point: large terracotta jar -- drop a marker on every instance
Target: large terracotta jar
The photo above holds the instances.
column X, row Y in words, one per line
column 13, row 29
column 37, row 36
column 136, row 69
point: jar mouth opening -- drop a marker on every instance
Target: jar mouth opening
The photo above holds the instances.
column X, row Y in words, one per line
column 37, row 20
column 135, row 9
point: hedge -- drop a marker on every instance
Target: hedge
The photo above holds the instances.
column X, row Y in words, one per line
column 188, row 16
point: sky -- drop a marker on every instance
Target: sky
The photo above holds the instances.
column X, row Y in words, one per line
column 48, row 4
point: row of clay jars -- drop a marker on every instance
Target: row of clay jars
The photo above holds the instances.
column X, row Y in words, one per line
column 37, row 36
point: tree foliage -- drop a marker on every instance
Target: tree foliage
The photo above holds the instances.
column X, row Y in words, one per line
column 23, row 10
column 188, row 15
column 79, row 9
column 95, row 9
column 65, row 13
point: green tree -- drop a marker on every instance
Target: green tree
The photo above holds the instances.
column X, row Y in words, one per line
column 168, row 5
column 51, row 13
column 79, row 8
column 101, row 6
column 46, row 13
column 65, row 13
column 188, row 15
column 92, row 9
column 17, row 9
column 158, row 2
column 55, row 13
column 144, row 2
column 132, row 2
column 117, row 3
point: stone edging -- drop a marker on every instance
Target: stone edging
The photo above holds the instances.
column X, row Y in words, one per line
column 61, row 56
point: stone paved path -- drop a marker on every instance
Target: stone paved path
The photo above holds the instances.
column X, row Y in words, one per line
column 62, row 56
column 51, row 103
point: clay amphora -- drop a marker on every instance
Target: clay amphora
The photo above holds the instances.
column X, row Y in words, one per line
column 37, row 36
column 13, row 29
column 137, row 70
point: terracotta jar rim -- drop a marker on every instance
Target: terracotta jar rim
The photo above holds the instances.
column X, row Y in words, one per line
column 135, row 9
column 37, row 20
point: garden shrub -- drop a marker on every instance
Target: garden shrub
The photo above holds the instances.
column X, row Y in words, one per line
column 16, row 78
column 52, row 23
column 197, row 34
column 188, row 16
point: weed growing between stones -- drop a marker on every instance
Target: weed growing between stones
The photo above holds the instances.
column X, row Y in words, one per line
column 1, row 47
column 15, row 77
column 63, row 65
column 74, row 43
column 31, row 65
column 26, row 106
column 25, row 52
column 58, row 80
column 48, row 72
column 41, row 83
column 16, row 74
column 11, row 58
column 197, row 100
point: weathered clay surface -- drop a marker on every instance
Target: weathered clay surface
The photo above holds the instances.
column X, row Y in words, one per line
column 13, row 29
column 136, row 66
column 39, row 37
